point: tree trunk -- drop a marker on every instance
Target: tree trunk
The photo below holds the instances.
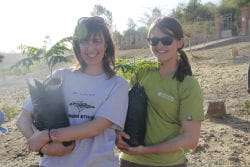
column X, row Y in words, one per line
column 216, row 109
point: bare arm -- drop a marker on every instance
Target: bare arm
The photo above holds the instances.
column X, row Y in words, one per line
column 187, row 140
column 57, row 149
column 85, row 130
column 81, row 131
column 24, row 124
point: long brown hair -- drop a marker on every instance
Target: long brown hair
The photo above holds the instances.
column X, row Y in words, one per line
column 84, row 29
column 166, row 24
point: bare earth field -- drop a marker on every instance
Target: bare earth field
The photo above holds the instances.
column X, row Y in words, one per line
column 223, row 142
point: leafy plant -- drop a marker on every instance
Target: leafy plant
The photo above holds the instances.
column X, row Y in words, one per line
column 51, row 56
column 126, row 68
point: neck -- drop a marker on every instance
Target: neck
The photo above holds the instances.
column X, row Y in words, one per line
column 94, row 70
column 165, row 69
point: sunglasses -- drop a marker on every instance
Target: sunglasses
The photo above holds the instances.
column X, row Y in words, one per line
column 164, row 40
column 94, row 18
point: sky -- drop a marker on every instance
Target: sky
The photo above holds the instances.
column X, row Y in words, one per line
column 29, row 21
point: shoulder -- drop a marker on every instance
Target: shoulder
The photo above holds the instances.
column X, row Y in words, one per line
column 120, row 81
column 143, row 69
column 61, row 72
column 189, row 84
column 189, row 81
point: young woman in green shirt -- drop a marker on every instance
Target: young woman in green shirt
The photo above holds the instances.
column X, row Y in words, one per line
column 175, row 103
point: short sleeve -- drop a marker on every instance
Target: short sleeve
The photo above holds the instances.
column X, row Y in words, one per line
column 116, row 105
column 143, row 71
column 60, row 73
column 27, row 105
column 191, row 100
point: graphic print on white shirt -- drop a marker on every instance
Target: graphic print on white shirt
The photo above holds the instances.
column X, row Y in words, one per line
column 80, row 105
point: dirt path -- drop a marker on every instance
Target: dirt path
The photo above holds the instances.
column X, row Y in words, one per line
column 223, row 142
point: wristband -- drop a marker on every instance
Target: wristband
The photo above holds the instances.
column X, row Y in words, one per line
column 40, row 152
column 49, row 135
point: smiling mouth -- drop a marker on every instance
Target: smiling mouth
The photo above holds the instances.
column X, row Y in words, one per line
column 161, row 51
column 158, row 53
column 91, row 55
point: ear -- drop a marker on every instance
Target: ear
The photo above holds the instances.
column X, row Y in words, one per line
column 180, row 43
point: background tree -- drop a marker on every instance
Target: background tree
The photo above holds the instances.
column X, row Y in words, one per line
column 131, row 24
column 99, row 10
column 131, row 28
column 234, row 8
column 151, row 16
column 178, row 13
column 51, row 56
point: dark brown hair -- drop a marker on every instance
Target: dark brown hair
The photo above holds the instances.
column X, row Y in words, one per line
column 84, row 29
column 169, row 25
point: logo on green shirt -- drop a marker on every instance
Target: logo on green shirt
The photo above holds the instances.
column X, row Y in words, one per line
column 166, row 96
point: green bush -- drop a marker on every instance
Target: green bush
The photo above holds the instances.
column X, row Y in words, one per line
column 126, row 68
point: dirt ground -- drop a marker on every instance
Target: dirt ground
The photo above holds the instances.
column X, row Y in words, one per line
column 223, row 142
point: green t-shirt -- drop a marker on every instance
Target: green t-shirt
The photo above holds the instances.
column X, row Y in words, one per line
column 169, row 102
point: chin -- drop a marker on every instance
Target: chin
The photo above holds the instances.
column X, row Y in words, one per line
column 161, row 59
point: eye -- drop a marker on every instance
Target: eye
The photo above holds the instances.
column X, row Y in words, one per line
column 167, row 40
column 83, row 42
column 153, row 41
column 97, row 40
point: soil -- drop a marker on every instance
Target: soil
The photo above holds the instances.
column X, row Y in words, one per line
column 224, row 141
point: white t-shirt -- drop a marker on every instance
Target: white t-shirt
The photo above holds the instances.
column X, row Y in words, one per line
column 85, row 98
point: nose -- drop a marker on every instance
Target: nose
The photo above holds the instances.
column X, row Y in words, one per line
column 89, row 47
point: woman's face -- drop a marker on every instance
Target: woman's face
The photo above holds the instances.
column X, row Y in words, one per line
column 166, row 54
column 93, row 49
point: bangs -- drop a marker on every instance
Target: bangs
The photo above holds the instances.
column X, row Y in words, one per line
column 84, row 31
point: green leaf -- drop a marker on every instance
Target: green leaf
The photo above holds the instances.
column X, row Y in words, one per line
column 24, row 63
column 52, row 56
column 31, row 52
column 57, row 59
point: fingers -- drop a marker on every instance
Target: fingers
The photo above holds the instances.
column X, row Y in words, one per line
column 137, row 150
column 122, row 134
column 65, row 150
column 128, row 150
column 120, row 143
column 71, row 147
column 57, row 149
column 34, row 145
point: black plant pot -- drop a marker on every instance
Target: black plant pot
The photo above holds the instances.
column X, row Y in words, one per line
column 49, row 108
column 135, row 125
